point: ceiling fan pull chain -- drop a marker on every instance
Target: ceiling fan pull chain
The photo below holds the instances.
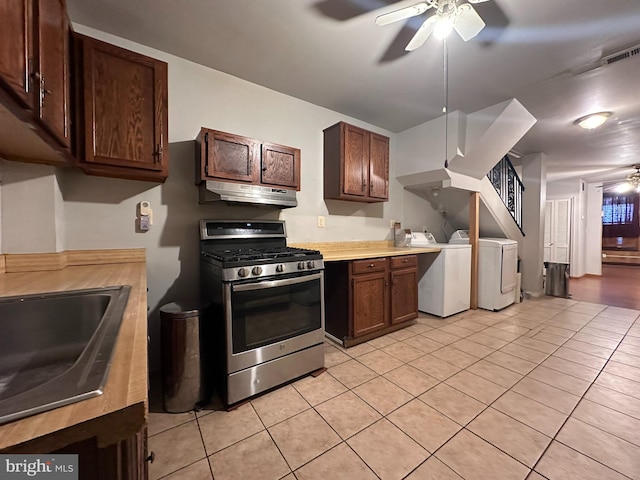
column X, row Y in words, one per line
column 445, row 62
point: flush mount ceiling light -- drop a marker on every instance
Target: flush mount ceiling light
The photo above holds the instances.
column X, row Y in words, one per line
column 593, row 120
column 448, row 16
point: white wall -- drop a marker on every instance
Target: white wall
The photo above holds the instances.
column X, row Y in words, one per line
column 32, row 210
column 93, row 212
column 531, row 246
column 593, row 230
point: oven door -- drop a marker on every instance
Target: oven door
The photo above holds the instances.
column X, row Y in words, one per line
column 269, row 319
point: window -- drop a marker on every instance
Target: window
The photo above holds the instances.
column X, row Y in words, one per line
column 620, row 215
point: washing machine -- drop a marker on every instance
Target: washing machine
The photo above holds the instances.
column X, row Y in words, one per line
column 444, row 279
column 497, row 269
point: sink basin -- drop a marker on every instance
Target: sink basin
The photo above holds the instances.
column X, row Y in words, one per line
column 56, row 348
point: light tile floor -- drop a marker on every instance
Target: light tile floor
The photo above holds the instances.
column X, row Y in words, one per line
column 548, row 388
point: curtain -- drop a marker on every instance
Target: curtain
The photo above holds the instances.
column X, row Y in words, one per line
column 620, row 215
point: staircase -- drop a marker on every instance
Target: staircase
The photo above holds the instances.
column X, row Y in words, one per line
column 509, row 188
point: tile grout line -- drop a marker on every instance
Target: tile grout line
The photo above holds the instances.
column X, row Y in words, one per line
column 464, row 427
column 413, row 397
column 576, row 406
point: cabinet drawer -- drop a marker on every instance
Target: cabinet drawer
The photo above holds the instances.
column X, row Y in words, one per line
column 404, row 261
column 368, row 266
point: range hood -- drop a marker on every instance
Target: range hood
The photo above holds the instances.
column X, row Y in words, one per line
column 214, row 191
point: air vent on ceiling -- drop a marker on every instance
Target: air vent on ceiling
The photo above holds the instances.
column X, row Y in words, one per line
column 623, row 55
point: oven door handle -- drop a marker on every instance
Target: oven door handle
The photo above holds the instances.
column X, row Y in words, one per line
column 275, row 283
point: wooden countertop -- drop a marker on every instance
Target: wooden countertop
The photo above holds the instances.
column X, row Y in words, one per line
column 337, row 251
column 122, row 409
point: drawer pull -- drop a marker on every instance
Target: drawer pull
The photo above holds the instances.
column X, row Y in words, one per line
column 371, row 265
column 405, row 261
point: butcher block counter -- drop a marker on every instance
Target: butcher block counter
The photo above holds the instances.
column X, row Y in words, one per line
column 371, row 288
column 121, row 410
column 338, row 251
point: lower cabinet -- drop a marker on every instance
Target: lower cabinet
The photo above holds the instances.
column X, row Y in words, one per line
column 404, row 288
column 124, row 460
column 368, row 298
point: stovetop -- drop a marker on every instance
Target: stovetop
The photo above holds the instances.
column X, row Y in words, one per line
column 263, row 255
column 252, row 250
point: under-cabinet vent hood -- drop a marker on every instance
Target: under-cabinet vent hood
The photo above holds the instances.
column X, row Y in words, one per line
column 213, row 191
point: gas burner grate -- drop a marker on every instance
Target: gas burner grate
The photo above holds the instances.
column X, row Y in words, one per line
column 240, row 255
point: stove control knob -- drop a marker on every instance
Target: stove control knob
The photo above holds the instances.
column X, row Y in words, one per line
column 243, row 272
column 280, row 268
column 256, row 270
column 311, row 264
column 301, row 265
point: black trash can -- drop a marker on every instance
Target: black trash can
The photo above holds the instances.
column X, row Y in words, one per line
column 182, row 377
column 557, row 279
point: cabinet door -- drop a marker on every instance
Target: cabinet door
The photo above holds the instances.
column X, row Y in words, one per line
column 378, row 166
column 356, row 161
column 51, row 80
column 370, row 307
column 15, row 44
column 280, row 166
column 125, row 110
column 231, row 157
column 404, row 295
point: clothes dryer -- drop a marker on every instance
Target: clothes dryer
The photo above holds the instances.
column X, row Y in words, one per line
column 497, row 269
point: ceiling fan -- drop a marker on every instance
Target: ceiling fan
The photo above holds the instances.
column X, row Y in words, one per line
column 448, row 16
column 630, row 182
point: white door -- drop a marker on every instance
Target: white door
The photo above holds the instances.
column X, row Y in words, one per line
column 557, row 230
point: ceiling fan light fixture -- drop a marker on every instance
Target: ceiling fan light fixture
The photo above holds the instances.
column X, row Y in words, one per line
column 443, row 27
column 593, row 120
column 448, row 16
column 634, row 178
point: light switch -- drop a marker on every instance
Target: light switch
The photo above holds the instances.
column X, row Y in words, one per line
column 320, row 221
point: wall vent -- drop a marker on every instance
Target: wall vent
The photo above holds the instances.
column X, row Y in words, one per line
column 623, row 55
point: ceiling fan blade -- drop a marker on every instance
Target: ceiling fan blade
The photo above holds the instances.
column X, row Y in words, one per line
column 478, row 1
column 422, row 34
column 397, row 15
column 468, row 23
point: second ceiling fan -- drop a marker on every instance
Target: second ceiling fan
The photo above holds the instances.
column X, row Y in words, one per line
column 448, row 16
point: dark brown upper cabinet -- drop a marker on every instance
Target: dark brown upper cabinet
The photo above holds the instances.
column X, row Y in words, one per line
column 280, row 166
column 34, row 81
column 16, row 49
column 51, row 77
column 356, row 164
column 122, row 112
column 226, row 156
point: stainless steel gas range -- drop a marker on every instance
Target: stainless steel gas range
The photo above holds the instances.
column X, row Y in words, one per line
column 267, row 306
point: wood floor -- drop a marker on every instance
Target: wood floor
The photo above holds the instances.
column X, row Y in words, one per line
column 619, row 286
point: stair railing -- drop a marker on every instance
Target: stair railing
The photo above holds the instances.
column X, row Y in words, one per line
column 507, row 183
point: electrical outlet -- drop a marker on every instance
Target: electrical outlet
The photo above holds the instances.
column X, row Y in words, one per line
column 320, row 221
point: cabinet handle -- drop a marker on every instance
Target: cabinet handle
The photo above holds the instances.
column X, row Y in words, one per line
column 158, row 151
column 405, row 261
column 371, row 265
column 42, row 91
column 151, row 457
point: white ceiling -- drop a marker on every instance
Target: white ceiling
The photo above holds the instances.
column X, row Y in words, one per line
column 545, row 53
